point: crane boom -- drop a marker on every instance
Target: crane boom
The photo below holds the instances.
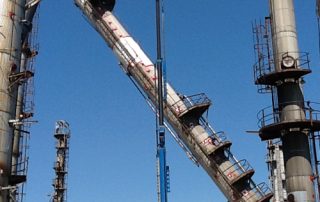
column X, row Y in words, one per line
column 183, row 113
column 318, row 7
column 162, row 168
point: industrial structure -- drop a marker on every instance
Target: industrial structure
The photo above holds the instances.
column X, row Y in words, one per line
column 290, row 123
column 183, row 113
column 62, row 135
column 17, row 51
column 290, row 126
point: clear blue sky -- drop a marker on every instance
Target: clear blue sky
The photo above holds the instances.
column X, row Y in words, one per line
column 209, row 49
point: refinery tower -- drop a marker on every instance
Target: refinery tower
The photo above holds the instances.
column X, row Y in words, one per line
column 16, row 101
column 288, row 125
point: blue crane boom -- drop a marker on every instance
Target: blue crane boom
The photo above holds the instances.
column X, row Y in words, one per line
column 161, row 148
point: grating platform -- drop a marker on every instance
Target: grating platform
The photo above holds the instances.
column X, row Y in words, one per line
column 272, row 77
column 221, row 147
column 266, row 198
column 195, row 110
column 242, row 177
column 273, row 131
column 17, row 179
column 191, row 106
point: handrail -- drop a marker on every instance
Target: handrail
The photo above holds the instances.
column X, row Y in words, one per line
column 187, row 102
column 270, row 115
column 241, row 166
column 219, row 136
column 261, row 189
column 265, row 66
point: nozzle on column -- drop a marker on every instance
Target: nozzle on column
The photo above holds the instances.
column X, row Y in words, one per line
column 105, row 5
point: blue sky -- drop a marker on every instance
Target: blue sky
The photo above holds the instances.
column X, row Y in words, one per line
column 209, row 49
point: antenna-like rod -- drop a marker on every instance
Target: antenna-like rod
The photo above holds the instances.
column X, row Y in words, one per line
column 162, row 169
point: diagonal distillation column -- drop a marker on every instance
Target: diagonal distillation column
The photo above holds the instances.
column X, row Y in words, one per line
column 291, row 102
column 183, row 113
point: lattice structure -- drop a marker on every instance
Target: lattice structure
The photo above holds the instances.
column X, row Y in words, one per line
column 263, row 52
column 276, row 170
column 62, row 135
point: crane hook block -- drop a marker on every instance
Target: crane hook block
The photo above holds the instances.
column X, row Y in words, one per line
column 106, row 5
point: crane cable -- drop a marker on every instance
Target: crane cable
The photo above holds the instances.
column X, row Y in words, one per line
column 318, row 22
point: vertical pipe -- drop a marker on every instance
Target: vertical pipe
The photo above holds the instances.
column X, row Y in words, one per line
column 291, row 103
column 19, row 111
column 11, row 14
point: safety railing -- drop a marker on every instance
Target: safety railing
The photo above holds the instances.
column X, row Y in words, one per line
column 188, row 102
column 259, row 191
column 219, row 137
column 237, row 169
column 215, row 139
column 304, row 110
column 266, row 65
column 20, row 167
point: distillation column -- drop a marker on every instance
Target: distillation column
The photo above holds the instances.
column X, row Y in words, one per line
column 290, row 119
column 291, row 102
column 11, row 28
column 183, row 113
column 62, row 135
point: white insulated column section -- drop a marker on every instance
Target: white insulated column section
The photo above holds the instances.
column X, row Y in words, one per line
column 11, row 14
column 291, row 102
column 131, row 55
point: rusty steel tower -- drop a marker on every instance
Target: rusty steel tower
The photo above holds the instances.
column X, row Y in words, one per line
column 62, row 135
column 289, row 123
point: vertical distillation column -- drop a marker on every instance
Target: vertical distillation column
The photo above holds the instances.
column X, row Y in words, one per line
column 291, row 102
column 290, row 119
column 62, row 135
column 11, row 15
